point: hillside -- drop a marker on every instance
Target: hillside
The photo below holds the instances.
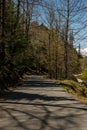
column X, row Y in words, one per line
column 49, row 50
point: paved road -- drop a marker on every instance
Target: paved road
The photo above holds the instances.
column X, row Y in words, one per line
column 41, row 105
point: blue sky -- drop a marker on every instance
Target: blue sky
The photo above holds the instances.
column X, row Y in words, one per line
column 79, row 27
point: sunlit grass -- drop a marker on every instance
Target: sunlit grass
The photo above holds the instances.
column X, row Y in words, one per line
column 75, row 88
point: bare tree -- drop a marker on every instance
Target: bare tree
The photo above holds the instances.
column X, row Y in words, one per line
column 71, row 15
column 50, row 18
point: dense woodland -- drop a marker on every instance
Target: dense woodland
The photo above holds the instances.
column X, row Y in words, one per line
column 37, row 37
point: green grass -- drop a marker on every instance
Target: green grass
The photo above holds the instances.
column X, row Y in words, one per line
column 79, row 90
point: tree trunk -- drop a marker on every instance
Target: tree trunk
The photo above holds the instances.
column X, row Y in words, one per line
column 66, row 39
column 2, row 44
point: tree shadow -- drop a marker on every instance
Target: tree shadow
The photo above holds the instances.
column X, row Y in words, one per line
column 39, row 83
column 43, row 119
column 32, row 96
column 47, row 114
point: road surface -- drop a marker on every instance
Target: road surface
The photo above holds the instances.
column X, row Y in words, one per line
column 40, row 104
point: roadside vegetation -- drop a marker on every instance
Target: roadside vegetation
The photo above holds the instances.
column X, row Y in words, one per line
column 35, row 45
column 75, row 88
column 78, row 89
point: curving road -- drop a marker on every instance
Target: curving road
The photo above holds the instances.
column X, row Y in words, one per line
column 41, row 105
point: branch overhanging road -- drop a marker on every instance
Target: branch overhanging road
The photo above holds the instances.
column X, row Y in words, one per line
column 40, row 104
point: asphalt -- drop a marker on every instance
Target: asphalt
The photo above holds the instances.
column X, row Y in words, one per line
column 40, row 104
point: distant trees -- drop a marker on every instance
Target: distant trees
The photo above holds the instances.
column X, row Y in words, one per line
column 28, row 45
column 63, row 17
column 73, row 15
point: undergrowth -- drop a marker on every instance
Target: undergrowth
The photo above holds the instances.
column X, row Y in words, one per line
column 75, row 88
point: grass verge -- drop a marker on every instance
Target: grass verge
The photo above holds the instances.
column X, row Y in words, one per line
column 75, row 88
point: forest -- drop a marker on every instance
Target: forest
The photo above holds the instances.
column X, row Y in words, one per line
column 41, row 37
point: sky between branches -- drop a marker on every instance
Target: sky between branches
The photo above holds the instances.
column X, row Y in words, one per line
column 78, row 24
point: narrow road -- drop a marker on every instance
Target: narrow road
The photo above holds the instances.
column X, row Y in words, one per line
column 41, row 105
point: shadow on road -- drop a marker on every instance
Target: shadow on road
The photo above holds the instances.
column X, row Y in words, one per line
column 32, row 96
column 39, row 84
column 42, row 118
column 40, row 111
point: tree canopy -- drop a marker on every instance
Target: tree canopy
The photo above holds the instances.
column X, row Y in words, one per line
column 35, row 44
